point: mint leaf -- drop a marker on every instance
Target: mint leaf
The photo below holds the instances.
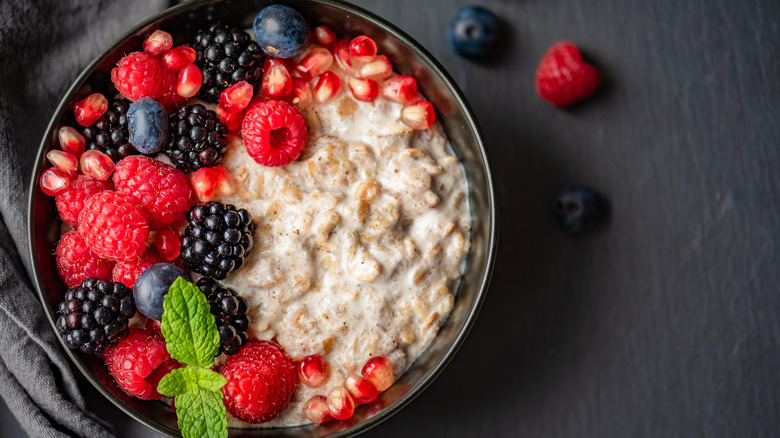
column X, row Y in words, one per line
column 188, row 326
column 201, row 413
column 181, row 380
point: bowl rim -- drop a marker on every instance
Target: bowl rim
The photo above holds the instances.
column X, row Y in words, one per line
column 436, row 68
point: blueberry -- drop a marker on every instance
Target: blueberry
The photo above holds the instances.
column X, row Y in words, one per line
column 473, row 31
column 578, row 208
column 147, row 125
column 281, row 31
column 152, row 285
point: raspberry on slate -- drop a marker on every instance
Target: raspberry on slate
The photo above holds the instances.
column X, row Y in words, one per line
column 113, row 226
column 94, row 314
column 563, row 78
column 127, row 272
column 217, row 239
column 109, row 133
column 226, row 55
column 159, row 188
column 196, row 138
column 260, row 381
column 138, row 362
column 70, row 201
column 76, row 261
column 274, row 132
column 230, row 314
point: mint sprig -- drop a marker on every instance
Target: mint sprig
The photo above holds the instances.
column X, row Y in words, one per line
column 192, row 338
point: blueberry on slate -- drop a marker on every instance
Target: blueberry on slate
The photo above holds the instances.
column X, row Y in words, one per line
column 281, row 31
column 147, row 125
column 578, row 208
column 473, row 32
column 151, row 286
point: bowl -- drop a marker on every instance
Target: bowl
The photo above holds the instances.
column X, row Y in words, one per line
column 408, row 57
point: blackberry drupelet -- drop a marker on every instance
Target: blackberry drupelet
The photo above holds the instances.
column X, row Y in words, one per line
column 230, row 314
column 217, row 239
column 226, row 55
column 95, row 314
column 196, row 138
column 109, row 133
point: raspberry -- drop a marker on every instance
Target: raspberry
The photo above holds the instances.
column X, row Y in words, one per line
column 127, row 272
column 261, row 378
column 274, row 132
column 114, row 227
column 563, row 78
column 70, row 201
column 76, row 262
column 160, row 189
column 138, row 362
column 139, row 75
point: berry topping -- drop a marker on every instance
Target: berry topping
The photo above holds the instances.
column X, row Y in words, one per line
column 563, row 78
column 70, row 201
column 418, row 114
column 147, row 125
column 139, row 75
column 158, row 42
column 127, row 272
column 578, row 208
column 71, row 141
column 474, row 32
column 230, row 314
column 178, row 57
column 53, row 181
column 109, row 134
column 96, row 164
column 189, row 81
column 340, row 403
column 401, row 89
column 231, row 120
column 313, row 370
column 236, row 97
column 167, row 243
column 159, row 188
column 378, row 371
column 316, row 62
column 274, row 132
column 196, row 138
column 226, row 56
column 324, row 36
column 281, row 31
column 361, row 389
column 208, row 182
column 76, row 262
column 364, row 89
column 217, row 239
column 94, row 314
column 65, row 162
column 138, row 362
column 114, row 227
column 152, row 285
column 316, row 409
column 362, row 49
column 260, row 380
column 88, row 110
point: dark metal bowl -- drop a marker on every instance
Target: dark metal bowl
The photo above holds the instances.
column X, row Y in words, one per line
column 408, row 57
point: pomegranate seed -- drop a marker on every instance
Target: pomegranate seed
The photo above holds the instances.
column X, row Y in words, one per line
column 379, row 68
column 324, row 36
column 401, row 89
column 327, row 87
column 232, row 121
column 71, row 141
column 277, row 82
column 343, row 58
column 313, row 370
column 301, row 93
column 167, row 244
column 53, row 181
column 379, row 371
column 362, row 48
column 270, row 61
column 153, row 325
column 316, row 409
column 314, row 63
column 361, row 389
column 96, row 164
column 364, row 89
column 189, row 82
column 226, row 185
column 65, row 162
column 158, row 42
column 418, row 114
column 89, row 109
column 340, row 403
column 177, row 57
column 236, row 97
column 204, row 182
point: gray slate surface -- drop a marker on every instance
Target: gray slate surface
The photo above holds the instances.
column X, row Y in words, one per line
column 665, row 322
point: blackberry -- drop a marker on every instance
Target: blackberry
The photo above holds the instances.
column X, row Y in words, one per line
column 225, row 55
column 109, row 134
column 230, row 314
column 196, row 138
column 95, row 314
column 217, row 239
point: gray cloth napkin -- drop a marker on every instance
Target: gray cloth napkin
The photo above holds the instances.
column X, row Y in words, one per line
column 44, row 44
